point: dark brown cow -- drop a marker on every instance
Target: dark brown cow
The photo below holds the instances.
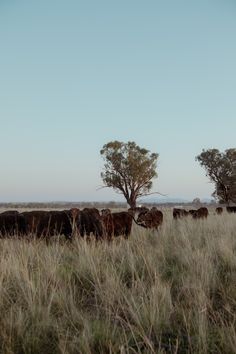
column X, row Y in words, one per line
column 106, row 211
column 219, row 210
column 179, row 213
column 12, row 224
column 231, row 209
column 150, row 219
column 200, row 213
column 50, row 223
column 32, row 219
column 137, row 210
column 90, row 222
column 122, row 223
column 59, row 223
column 192, row 211
column 117, row 224
column 108, row 224
column 10, row 212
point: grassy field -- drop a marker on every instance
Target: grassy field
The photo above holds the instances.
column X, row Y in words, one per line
column 168, row 292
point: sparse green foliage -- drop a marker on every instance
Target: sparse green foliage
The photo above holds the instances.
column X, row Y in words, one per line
column 128, row 169
column 221, row 169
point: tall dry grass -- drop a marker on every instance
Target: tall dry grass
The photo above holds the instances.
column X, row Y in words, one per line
column 168, row 292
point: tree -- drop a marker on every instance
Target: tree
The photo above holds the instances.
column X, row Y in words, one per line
column 221, row 169
column 196, row 201
column 128, row 169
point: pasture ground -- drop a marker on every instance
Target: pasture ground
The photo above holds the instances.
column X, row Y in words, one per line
column 172, row 291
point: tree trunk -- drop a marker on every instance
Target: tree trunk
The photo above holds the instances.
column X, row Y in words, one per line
column 132, row 203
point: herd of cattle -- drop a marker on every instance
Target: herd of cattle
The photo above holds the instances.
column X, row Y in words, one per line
column 102, row 224
column 201, row 212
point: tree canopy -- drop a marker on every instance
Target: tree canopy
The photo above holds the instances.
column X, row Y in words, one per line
column 129, row 169
column 221, row 169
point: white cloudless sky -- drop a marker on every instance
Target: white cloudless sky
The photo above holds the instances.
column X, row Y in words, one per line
column 77, row 74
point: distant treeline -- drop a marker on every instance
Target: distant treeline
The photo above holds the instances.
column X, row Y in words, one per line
column 63, row 205
column 98, row 205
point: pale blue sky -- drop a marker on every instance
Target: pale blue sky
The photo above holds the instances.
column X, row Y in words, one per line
column 77, row 74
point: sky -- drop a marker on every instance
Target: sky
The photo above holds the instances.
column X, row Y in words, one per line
column 75, row 75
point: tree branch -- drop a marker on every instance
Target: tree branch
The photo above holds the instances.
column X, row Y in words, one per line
column 146, row 194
